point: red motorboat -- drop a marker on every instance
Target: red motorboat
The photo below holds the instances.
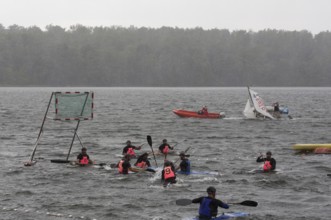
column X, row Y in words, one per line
column 191, row 114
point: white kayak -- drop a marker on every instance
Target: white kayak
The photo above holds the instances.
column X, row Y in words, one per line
column 227, row 215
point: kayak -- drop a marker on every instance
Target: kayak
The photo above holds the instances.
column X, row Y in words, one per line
column 260, row 170
column 195, row 172
column 170, row 186
column 322, row 150
column 192, row 114
column 310, row 147
column 227, row 215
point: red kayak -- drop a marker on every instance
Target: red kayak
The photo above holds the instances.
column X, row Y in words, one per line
column 190, row 114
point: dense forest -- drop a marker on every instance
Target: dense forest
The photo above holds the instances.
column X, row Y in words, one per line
column 118, row 56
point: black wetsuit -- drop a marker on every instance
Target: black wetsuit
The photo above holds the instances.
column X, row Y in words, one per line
column 142, row 159
column 276, row 108
column 169, row 180
column 126, row 165
column 126, row 148
column 272, row 161
column 208, row 207
column 162, row 146
column 80, row 156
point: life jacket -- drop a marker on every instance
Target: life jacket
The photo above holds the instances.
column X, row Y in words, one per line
column 204, row 208
column 168, row 172
column 120, row 167
column 166, row 149
column 141, row 164
column 267, row 166
column 131, row 151
column 84, row 160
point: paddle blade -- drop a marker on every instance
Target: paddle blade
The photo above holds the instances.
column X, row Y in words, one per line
column 249, row 203
column 60, row 161
column 183, row 202
column 149, row 140
column 150, row 170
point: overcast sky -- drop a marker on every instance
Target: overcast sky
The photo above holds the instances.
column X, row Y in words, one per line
column 311, row 15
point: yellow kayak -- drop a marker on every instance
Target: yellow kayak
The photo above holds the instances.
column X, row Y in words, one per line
column 310, row 146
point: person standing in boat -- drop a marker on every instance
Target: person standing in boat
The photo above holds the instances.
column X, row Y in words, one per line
column 165, row 148
column 276, row 112
column 143, row 161
column 276, row 107
column 129, row 149
column 203, row 111
column 83, row 158
column 269, row 162
column 168, row 173
column 185, row 164
column 209, row 204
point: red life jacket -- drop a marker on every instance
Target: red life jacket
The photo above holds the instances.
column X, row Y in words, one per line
column 142, row 164
column 168, row 172
column 267, row 166
column 131, row 151
column 120, row 167
column 166, row 149
column 84, row 161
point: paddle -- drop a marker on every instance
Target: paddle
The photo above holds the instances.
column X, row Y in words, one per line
column 185, row 202
column 173, row 147
column 246, row 203
column 60, row 161
column 149, row 140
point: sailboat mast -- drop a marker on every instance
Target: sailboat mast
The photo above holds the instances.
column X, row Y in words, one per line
column 251, row 99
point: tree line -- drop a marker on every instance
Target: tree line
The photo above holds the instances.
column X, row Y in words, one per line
column 166, row 56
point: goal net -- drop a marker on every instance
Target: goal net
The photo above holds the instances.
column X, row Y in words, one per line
column 73, row 105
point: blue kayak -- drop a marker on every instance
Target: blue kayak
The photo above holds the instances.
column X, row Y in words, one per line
column 227, row 215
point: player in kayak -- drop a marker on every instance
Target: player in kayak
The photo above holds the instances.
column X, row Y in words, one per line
column 185, row 164
column 129, row 149
column 83, row 158
column 143, row 161
column 209, row 204
column 269, row 162
column 168, row 174
column 124, row 165
column 165, row 148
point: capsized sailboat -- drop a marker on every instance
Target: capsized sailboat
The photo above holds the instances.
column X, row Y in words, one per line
column 255, row 107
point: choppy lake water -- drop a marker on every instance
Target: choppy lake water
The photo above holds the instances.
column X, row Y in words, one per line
column 58, row 191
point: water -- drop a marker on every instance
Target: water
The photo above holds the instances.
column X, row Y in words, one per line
column 57, row 191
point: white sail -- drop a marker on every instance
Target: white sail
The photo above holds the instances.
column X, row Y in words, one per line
column 249, row 110
column 259, row 105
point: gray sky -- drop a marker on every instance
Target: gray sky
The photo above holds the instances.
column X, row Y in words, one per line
column 311, row 15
